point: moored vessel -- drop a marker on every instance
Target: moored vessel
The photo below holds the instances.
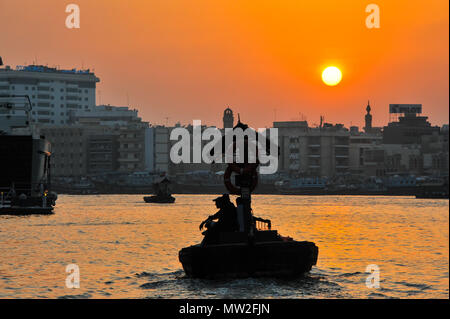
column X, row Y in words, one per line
column 25, row 181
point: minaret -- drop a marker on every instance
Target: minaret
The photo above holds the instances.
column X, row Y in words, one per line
column 368, row 126
column 228, row 118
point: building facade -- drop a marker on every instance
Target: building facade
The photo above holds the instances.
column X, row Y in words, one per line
column 68, row 145
column 409, row 128
column 102, row 154
column 366, row 155
column 54, row 93
column 319, row 151
column 107, row 139
column 131, row 142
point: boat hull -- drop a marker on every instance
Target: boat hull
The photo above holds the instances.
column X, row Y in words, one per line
column 159, row 200
column 261, row 259
column 32, row 210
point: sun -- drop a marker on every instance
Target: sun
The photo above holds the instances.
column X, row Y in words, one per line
column 331, row 76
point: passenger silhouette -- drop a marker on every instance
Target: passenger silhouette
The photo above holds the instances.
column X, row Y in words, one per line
column 226, row 216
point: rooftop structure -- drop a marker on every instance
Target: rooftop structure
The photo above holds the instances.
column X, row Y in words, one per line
column 410, row 127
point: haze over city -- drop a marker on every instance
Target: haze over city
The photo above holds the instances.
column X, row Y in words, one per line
column 264, row 59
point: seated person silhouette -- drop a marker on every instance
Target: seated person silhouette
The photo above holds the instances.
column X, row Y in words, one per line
column 227, row 220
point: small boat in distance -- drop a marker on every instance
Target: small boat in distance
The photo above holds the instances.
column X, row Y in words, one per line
column 162, row 191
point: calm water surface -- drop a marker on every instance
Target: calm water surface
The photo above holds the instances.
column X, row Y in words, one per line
column 126, row 248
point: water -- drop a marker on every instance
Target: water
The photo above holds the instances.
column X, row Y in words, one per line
column 126, row 248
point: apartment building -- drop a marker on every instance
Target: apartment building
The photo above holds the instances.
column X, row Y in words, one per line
column 54, row 93
column 312, row 151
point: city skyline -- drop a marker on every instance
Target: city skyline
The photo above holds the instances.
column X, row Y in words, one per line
column 187, row 62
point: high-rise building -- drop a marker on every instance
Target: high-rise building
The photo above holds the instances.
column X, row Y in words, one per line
column 54, row 93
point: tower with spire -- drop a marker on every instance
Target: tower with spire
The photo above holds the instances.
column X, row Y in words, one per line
column 368, row 126
column 228, row 118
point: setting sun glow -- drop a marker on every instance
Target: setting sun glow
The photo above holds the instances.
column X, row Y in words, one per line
column 331, row 76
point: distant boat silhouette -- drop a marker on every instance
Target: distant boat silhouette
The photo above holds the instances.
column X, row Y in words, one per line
column 162, row 191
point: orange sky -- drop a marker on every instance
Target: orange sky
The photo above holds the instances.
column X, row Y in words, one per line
column 190, row 59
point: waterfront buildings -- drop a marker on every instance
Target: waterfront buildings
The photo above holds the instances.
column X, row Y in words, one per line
column 90, row 140
column 80, row 150
column 409, row 144
column 104, row 140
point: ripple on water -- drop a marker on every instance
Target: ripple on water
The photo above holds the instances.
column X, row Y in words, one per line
column 81, row 296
